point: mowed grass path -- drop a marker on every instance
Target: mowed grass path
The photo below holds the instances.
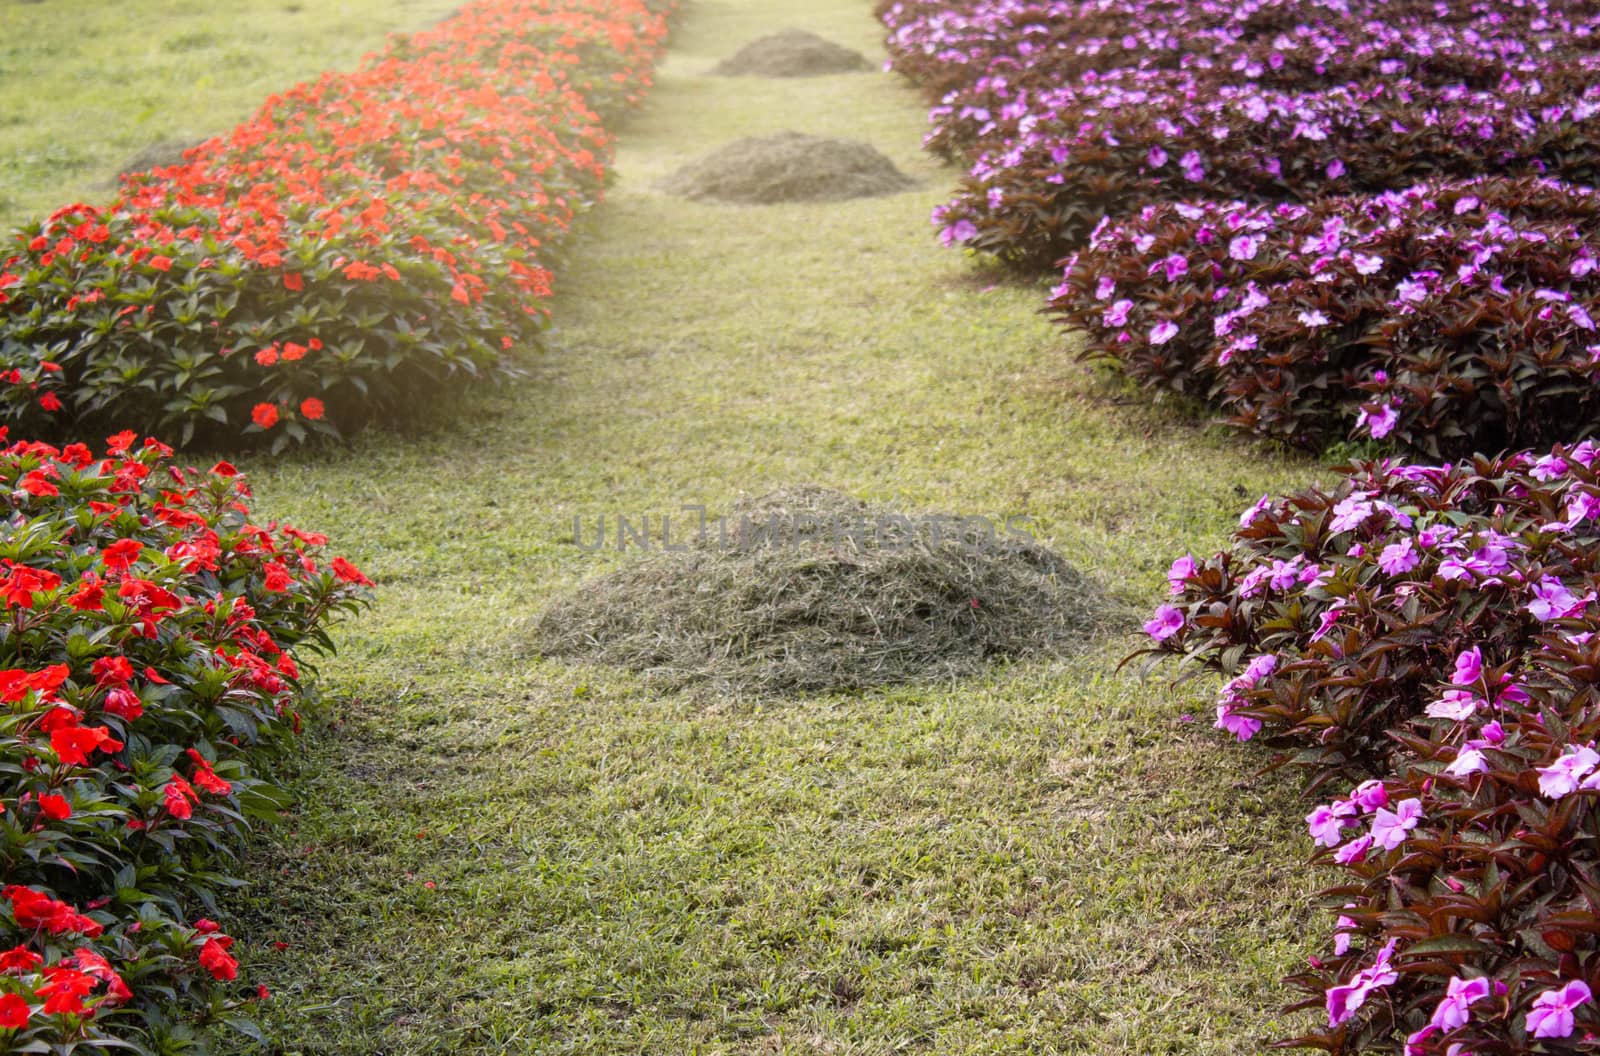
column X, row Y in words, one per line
column 1047, row 861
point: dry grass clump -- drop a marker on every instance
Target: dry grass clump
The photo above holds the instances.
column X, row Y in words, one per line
column 788, row 167
column 792, row 53
column 809, row 590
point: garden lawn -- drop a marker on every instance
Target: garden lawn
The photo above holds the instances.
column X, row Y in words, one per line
column 498, row 854
column 85, row 85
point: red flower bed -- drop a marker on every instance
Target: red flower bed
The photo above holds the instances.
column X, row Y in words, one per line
column 149, row 675
column 360, row 243
column 1426, row 640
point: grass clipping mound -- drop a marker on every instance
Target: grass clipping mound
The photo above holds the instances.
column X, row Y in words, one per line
column 787, row 167
column 808, row 590
column 791, row 53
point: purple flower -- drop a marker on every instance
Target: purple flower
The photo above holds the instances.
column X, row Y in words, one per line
column 1167, row 622
column 1176, row 266
column 1366, row 264
column 1241, row 726
column 1335, row 169
column 1105, row 288
column 1467, row 761
column 1551, row 1014
column 960, row 231
column 1244, row 247
column 1561, row 777
column 1181, row 570
column 1389, row 827
column 1156, row 158
column 1370, row 795
column 1350, row 512
column 1379, row 423
column 1549, row 467
column 1469, row 667
column 1459, row 996
column 1163, row 332
column 1346, row 999
column 1117, row 314
column 1247, row 518
column 1456, row 704
column 1312, row 319
column 1327, row 822
column 1399, row 558
column 1354, row 851
column 1553, row 601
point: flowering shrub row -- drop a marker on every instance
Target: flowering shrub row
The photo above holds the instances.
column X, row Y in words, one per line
column 1425, row 640
column 1450, row 317
column 1069, row 112
column 147, row 674
column 362, row 241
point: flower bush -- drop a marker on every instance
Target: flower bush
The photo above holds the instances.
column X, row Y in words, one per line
column 1070, row 112
column 360, row 243
column 1424, row 639
column 148, row 676
column 1448, row 318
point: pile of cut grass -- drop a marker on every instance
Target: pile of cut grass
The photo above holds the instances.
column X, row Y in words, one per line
column 788, row 167
column 808, row 590
column 792, row 53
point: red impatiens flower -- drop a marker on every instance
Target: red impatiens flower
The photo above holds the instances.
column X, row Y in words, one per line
column 177, row 795
column 292, row 281
column 123, row 703
column 50, row 402
column 90, row 595
column 121, row 554
column 265, row 415
column 19, row 959
column 312, row 408
column 267, row 356
column 277, row 577
column 64, row 990
column 14, row 1012
column 36, row 483
column 160, row 263
column 349, row 573
column 214, row 958
column 55, row 807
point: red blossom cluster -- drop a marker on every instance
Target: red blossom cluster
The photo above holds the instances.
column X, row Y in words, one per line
column 360, row 242
column 150, row 634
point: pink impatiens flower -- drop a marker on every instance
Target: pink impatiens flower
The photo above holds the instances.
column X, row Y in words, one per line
column 1551, row 1014
column 1561, row 777
column 1389, row 827
column 1244, row 247
column 1167, row 622
column 1399, row 558
column 1327, row 822
column 1344, row 1000
column 1180, row 571
column 1163, row 332
column 1459, row 996
column 1553, row 601
column 1469, row 667
column 1370, row 795
column 1455, row 704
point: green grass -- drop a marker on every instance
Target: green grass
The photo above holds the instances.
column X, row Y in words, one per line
column 1045, row 861
column 87, row 84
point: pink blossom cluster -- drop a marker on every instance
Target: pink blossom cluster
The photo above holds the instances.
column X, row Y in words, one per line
column 1432, row 635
